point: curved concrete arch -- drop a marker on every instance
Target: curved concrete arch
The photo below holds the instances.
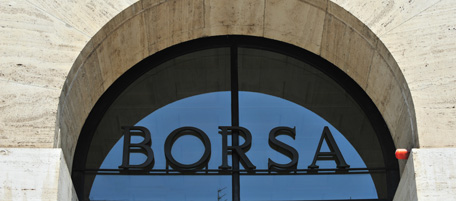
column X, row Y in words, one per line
column 321, row 27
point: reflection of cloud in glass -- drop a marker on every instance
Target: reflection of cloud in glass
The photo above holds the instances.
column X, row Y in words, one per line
column 259, row 113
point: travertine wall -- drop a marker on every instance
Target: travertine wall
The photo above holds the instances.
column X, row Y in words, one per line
column 40, row 41
column 420, row 34
column 34, row 174
column 429, row 175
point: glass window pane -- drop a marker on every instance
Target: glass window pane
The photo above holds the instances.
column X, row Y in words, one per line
column 204, row 112
column 159, row 188
column 293, row 93
column 307, row 187
column 261, row 113
column 190, row 90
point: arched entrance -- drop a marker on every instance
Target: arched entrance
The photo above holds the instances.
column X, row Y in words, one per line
column 240, row 63
column 330, row 32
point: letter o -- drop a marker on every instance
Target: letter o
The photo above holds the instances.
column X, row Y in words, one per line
column 176, row 134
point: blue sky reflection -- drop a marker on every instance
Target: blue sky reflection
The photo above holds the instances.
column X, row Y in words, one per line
column 259, row 113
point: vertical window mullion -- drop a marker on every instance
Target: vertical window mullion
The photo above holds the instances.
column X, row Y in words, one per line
column 235, row 119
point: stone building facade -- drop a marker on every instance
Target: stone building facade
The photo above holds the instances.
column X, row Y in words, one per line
column 59, row 57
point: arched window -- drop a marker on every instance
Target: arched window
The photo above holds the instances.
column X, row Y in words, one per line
column 235, row 118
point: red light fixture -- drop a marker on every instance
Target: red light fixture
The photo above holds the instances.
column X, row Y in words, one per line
column 402, row 154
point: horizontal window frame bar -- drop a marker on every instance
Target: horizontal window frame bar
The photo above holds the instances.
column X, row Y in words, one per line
column 256, row 172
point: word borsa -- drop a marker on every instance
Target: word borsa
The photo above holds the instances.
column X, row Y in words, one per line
column 144, row 147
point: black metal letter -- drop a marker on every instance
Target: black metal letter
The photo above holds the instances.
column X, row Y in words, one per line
column 176, row 134
column 142, row 147
column 240, row 150
column 283, row 148
column 334, row 154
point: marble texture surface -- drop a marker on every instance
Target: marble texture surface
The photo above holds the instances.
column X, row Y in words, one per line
column 429, row 176
column 427, row 58
column 34, row 174
column 420, row 36
column 36, row 51
column 295, row 22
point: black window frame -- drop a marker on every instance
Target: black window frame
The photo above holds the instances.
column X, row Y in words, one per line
column 234, row 42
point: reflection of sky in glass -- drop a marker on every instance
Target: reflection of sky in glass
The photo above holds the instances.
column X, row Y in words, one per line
column 259, row 113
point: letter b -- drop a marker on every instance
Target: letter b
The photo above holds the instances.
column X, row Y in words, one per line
column 142, row 147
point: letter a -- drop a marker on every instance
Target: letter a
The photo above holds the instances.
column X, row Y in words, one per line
column 334, row 154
